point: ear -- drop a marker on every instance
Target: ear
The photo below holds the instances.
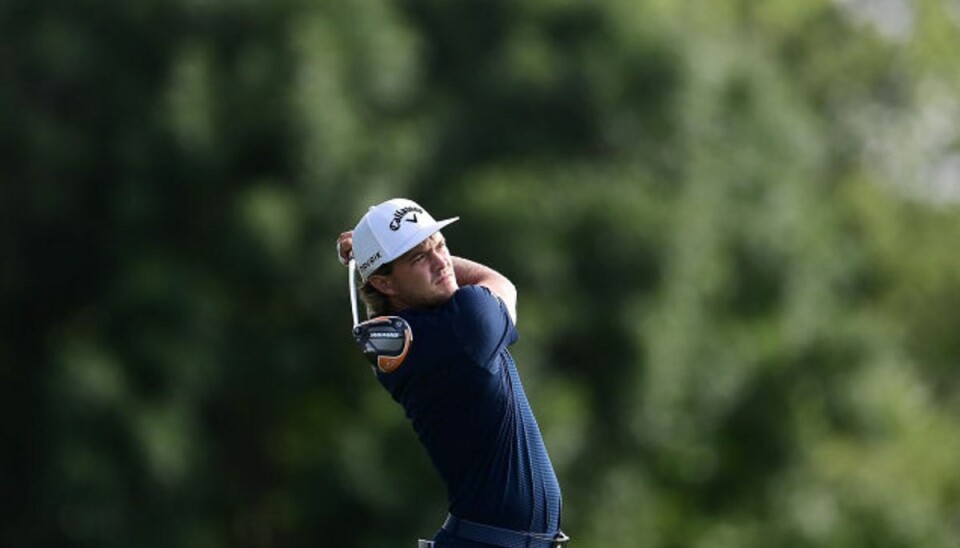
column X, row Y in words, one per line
column 383, row 284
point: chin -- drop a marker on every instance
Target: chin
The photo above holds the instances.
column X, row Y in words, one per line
column 451, row 287
column 446, row 292
column 445, row 295
column 448, row 283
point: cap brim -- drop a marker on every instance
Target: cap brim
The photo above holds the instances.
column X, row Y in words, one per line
column 418, row 237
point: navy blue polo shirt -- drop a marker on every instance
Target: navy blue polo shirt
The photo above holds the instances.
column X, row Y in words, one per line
column 460, row 389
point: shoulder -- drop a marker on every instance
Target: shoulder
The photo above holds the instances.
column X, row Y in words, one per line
column 474, row 324
column 476, row 303
column 481, row 320
column 474, row 313
column 467, row 302
column 474, row 298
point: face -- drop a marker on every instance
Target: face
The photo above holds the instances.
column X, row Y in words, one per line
column 423, row 277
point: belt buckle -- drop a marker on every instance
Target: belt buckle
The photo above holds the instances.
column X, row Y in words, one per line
column 560, row 540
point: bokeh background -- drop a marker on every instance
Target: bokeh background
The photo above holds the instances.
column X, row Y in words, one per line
column 733, row 224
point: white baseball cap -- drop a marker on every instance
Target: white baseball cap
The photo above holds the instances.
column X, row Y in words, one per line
column 389, row 230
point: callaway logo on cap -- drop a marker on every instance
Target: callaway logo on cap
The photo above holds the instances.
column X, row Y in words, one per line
column 401, row 214
column 389, row 230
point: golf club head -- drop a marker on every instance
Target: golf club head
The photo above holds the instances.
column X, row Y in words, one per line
column 384, row 341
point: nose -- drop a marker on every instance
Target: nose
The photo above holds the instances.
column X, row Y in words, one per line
column 438, row 259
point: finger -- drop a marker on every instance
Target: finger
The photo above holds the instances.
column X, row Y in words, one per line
column 344, row 251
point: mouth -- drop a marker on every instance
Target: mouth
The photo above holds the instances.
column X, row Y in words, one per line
column 443, row 278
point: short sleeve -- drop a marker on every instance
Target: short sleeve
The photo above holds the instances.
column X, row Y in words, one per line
column 482, row 323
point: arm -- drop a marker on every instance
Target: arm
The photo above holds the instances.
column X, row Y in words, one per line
column 473, row 273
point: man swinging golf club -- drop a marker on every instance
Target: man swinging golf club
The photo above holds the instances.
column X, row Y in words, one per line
column 438, row 340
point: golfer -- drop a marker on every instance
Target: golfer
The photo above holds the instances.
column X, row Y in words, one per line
column 458, row 383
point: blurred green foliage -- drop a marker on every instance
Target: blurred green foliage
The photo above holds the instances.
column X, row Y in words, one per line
column 733, row 225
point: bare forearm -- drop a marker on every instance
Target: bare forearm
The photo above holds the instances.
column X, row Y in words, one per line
column 473, row 273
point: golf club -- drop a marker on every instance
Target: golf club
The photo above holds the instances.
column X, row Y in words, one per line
column 384, row 340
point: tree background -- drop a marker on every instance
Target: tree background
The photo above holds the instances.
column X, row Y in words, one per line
column 733, row 225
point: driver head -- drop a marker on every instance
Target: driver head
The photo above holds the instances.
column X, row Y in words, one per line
column 384, row 341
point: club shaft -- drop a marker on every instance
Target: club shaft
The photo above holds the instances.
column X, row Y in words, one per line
column 352, row 268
